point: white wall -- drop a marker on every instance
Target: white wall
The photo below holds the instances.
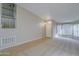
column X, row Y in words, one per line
column 48, row 29
column 27, row 29
column 50, row 26
column 53, row 26
column 28, row 25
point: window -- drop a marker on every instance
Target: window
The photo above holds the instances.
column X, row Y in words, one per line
column 8, row 15
column 67, row 29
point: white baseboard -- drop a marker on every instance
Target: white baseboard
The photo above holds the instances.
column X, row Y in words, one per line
column 18, row 43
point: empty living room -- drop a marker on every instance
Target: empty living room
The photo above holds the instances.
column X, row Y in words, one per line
column 39, row 29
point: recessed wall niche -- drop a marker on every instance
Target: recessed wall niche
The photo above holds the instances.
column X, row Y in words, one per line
column 8, row 15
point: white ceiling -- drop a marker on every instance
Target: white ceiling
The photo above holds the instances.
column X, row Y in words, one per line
column 60, row 12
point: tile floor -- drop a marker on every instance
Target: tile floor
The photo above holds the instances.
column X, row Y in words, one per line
column 53, row 47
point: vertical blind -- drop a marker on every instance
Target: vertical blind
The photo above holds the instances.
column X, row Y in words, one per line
column 67, row 29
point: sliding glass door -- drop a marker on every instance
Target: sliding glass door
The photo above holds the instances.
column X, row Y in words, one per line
column 67, row 29
column 76, row 29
